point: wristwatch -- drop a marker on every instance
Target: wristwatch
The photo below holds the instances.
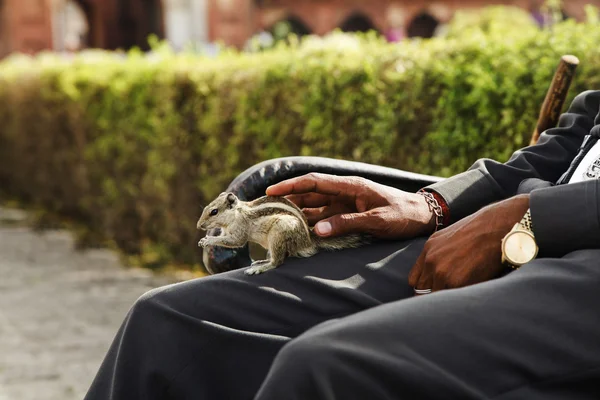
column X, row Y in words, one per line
column 519, row 246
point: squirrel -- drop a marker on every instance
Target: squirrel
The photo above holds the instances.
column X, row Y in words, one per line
column 275, row 223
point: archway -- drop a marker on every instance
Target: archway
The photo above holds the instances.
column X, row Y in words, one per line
column 291, row 25
column 423, row 25
column 357, row 22
column 137, row 20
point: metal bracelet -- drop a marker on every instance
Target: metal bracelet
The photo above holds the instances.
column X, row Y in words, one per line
column 435, row 208
column 526, row 221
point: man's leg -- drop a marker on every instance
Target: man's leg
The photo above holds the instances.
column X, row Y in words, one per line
column 533, row 334
column 215, row 337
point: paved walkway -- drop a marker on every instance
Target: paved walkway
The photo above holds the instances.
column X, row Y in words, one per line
column 59, row 310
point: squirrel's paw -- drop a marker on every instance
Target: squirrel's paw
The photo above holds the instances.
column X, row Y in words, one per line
column 258, row 262
column 205, row 241
column 259, row 269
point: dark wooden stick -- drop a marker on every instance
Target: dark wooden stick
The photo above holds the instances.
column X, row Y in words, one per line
column 555, row 98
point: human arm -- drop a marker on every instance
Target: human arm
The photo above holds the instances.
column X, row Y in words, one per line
column 468, row 251
column 565, row 217
column 474, row 242
column 488, row 181
column 345, row 204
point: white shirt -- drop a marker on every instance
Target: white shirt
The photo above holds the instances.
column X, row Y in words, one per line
column 589, row 167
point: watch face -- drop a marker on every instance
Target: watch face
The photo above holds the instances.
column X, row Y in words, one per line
column 520, row 247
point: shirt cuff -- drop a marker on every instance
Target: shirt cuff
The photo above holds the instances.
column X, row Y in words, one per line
column 466, row 193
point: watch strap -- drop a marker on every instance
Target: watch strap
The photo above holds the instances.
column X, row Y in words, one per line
column 526, row 221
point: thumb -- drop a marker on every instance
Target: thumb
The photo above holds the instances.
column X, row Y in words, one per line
column 342, row 224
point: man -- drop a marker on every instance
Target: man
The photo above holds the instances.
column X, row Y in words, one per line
column 347, row 325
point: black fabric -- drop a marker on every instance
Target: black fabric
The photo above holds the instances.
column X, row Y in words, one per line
column 566, row 217
column 345, row 325
column 529, row 185
column 588, row 142
column 488, row 181
column 253, row 182
column 215, row 337
column 529, row 335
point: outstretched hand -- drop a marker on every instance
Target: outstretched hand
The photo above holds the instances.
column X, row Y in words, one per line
column 339, row 205
column 468, row 251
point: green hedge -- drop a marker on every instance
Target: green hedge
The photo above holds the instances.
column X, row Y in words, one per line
column 131, row 147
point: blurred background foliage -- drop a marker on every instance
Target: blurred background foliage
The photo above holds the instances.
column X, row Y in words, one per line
column 130, row 147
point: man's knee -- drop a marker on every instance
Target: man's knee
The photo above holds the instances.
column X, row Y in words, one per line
column 212, row 298
column 183, row 297
column 322, row 362
column 164, row 310
column 147, row 305
column 313, row 353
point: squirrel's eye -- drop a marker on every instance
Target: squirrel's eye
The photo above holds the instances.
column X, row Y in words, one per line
column 214, row 212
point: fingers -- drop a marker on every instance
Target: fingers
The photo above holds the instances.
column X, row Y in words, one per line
column 342, row 224
column 431, row 275
column 310, row 200
column 422, row 274
column 314, row 215
column 439, row 283
column 318, row 183
column 425, row 280
column 416, row 271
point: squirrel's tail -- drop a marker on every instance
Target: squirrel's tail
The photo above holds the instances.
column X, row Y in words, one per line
column 340, row 242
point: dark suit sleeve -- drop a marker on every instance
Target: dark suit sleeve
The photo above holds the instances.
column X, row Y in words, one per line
column 566, row 217
column 488, row 181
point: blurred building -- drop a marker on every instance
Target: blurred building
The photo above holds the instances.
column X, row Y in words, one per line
column 69, row 25
column 235, row 20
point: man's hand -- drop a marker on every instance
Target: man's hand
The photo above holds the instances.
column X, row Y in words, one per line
column 340, row 204
column 469, row 251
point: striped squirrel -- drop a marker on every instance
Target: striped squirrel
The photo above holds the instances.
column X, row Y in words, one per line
column 275, row 223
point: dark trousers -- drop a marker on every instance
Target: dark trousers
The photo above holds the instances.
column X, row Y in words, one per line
column 345, row 325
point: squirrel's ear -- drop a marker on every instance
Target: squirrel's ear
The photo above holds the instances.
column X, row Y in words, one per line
column 231, row 199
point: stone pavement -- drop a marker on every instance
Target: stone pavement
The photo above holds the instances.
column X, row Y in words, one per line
column 59, row 310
